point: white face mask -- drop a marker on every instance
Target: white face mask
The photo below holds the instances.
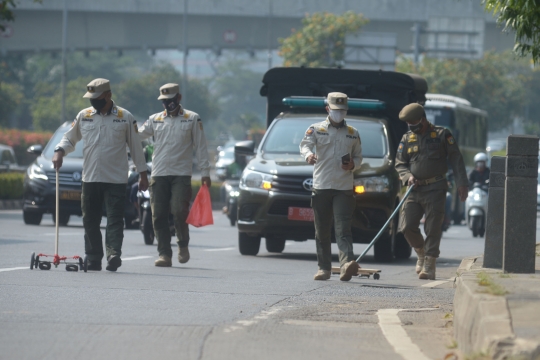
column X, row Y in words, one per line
column 337, row 115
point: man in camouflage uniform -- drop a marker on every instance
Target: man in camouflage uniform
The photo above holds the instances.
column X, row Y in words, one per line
column 421, row 160
column 333, row 195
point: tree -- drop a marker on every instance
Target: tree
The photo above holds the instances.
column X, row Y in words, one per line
column 11, row 97
column 6, row 11
column 495, row 83
column 523, row 17
column 321, row 40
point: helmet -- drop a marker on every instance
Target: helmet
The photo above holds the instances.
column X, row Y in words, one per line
column 480, row 157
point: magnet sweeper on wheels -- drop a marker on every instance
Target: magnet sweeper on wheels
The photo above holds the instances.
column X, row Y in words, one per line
column 73, row 263
column 376, row 272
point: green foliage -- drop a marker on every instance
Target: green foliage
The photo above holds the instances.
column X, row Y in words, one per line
column 241, row 106
column 489, row 286
column 6, row 11
column 11, row 186
column 11, row 97
column 522, row 17
column 496, row 83
column 321, row 40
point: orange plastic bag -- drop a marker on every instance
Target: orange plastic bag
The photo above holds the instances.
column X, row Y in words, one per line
column 201, row 210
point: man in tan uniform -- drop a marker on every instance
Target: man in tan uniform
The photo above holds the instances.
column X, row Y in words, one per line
column 421, row 160
column 176, row 132
column 333, row 195
column 106, row 128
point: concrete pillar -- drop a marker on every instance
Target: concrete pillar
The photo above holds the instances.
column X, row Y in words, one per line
column 493, row 247
column 519, row 244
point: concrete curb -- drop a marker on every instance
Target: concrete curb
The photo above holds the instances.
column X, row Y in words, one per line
column 482, row 322
column 11, row 204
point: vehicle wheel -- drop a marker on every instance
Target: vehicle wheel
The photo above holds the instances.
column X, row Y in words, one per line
column 147, row 228
column 482, row 232
column 72, row 267
column 476, row 226
column 45, row 265
column 383, row 249
column 275, row 244
column 32, row 218
column 248, row 245
column 402, row 249
column 64, row 218
column 32, row 261
column 376, row 276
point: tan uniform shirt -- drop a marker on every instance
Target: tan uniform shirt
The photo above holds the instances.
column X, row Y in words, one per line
column 425, row 156
column 105, row 138
column 330, row 145
column 174, row 140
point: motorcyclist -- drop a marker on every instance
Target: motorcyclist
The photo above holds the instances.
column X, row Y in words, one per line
column 480, row 173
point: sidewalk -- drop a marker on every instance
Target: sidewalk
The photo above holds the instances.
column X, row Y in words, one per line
column 497, row 314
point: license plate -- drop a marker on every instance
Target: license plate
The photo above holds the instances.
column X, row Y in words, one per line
column 301, row 214
column 70, row 195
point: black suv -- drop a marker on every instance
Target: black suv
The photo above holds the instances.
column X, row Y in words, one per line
column 40, row 182
column 275, row 189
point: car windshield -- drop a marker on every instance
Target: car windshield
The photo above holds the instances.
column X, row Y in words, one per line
column 49, row 149
column 228, row 153
column 285, row 136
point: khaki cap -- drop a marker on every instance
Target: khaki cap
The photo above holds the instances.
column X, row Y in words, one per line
column 337, row 101
column 97, row 87
column 412, row 113
column 168, row 91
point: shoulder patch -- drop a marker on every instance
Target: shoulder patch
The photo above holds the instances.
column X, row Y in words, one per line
column 400, row 148
column 310, row 131
column 73, row 123
column 450, row 140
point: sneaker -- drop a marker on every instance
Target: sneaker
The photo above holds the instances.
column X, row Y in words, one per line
column 349, row 270
column 94, row 266
column 428, row 271
column 420, row 254
column 163, row 261
column 183, row 255
column 113, row 262
column 322, row 275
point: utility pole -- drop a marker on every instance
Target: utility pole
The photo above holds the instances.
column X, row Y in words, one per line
column 183, row 90
column 269, row 32
column 64, row 60
column 416, row 42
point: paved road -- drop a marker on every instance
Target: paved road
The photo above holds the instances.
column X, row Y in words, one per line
column 220, row 305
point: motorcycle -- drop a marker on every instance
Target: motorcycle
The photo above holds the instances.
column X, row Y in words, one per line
column 146, row 218
column 232, row 191
column 476, row 209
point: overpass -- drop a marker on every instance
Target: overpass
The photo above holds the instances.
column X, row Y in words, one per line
column 222, row 24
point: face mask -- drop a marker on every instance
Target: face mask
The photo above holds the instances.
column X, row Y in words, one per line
column 417, row 128
column 170, row 104
column 98, row 104
column 338, row 115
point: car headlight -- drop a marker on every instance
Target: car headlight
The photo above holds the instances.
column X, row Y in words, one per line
column 257, row 180
column 35, row 172
column 371, row 184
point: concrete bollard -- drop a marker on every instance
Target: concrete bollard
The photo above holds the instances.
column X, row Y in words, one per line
column 519, row 244
column 493, row 246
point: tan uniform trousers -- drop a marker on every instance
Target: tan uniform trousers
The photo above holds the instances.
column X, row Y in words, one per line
column 417, row 204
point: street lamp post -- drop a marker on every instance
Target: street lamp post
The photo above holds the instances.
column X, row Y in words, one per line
column 64, row 60
column 185, row 49
column 270, row 13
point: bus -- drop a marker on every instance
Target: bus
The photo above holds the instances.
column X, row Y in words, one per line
column 469, row 127
column 467, row 124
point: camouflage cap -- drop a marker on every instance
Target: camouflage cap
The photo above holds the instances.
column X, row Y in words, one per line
column 337, row 101
column 96, row 87
column 168, row 91
column 412, row 113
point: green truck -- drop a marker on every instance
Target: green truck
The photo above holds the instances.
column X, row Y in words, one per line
column 276, row 185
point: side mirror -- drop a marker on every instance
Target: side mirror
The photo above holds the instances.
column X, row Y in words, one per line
column 245, row 148
column 35, row 149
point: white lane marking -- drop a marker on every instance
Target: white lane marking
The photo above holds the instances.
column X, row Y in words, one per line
column 15, row 268
column 438, row 282
column 221, row 249
column 136, row 258
column 265, row 314
column 397, row 336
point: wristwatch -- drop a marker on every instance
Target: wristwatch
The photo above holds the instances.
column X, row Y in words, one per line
column 59, row 148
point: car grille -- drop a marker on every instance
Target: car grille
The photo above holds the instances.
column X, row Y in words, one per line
column 290, row 184
column 65, row 178
column 281, row 207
